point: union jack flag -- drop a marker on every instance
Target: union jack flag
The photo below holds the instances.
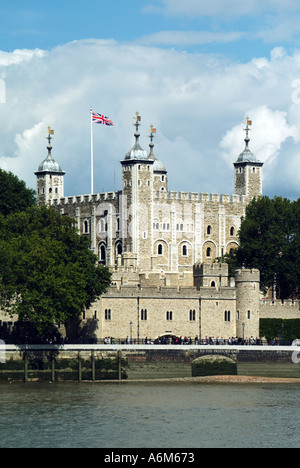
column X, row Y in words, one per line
column 101, row 119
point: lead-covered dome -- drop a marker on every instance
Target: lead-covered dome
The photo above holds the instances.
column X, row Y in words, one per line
column 49, row 165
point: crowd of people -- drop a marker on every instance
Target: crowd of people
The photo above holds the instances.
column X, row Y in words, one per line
column 183, row 340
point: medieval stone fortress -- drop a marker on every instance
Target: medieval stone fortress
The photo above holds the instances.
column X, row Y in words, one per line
column 161, row 246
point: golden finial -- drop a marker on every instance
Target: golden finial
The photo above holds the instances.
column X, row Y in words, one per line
column 137, row 121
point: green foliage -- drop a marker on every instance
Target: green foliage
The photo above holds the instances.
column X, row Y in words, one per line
column 217, row 366
column 231, row 260
column 14, row 196
column 48, row 274
column 276, row 328
column 270, row 241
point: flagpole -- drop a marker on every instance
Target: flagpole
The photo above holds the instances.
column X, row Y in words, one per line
column 92, row 155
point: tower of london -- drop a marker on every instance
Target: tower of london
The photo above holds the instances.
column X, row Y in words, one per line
column 146, row 227
column 161, row 246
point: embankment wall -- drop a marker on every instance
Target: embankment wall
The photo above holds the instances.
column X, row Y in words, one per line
column 136, row 362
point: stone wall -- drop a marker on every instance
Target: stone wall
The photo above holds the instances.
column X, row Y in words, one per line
column 83, row 362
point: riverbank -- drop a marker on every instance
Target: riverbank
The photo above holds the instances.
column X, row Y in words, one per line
column 211, row 379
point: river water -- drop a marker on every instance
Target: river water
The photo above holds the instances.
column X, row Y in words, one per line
column 149, row 415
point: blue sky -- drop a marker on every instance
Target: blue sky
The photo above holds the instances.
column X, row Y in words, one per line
column 238, row 31
column 194, row 69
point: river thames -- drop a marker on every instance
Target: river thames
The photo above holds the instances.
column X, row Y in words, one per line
column 149, row 415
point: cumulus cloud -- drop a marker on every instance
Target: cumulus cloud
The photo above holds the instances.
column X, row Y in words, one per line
column 270, row 131
column 196, row 102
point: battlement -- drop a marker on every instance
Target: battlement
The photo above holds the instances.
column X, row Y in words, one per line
column 201, row 197
column 245, row 276
column 90, row 198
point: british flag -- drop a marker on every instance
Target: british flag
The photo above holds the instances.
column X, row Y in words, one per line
column 101, row 119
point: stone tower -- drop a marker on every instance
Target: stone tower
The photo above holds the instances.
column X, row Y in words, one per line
column 248, row 171
column 247, row 302
column 49, row 177
column 137, row 201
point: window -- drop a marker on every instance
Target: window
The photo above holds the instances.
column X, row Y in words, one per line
column 107, row 314
column 95, row 315
column 232, row 231
column 213, row 284
column 85, row 227
column 192, row 315
column 208, row 230
column 184, row 251
column 227, row 316
column 160, row 249
column 208, row 252
column 119, row 248
column 102, row 254
column 144, row 314
column 169, row 315
column 249, row 314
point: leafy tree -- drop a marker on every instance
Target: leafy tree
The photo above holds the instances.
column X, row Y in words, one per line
column 14, row 195
column 230, row 259
column 270, row 241
column 48, row 274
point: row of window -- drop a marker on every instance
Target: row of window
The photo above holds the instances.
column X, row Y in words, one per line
column 169, row 315
column 160, row 250
column 156, row 227
column 189, row 227
column 50, row 190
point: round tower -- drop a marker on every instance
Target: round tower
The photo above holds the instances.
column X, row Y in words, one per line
column 248, row 170
column 49, row 177
column 247, row 302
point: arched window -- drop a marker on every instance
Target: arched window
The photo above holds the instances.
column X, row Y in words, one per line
column 213, row 284
column 169, row 315
column 102, row 254
column 227, row 315
column 119, row 248
column 208, row 230
column 160, row 249
column 184, row 251
column 144, row 314
column 85, row 227
column 192, row 315
column 208, row 252
column 232, row 231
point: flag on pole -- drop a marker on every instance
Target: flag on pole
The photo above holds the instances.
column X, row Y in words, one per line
column 98, row 119
column 101, row 119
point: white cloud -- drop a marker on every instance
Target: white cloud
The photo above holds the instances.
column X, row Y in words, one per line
column 270, row 131
column 186, row 38
column 196, row 102
column 18, row 56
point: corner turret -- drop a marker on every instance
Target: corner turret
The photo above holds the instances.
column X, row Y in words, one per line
column 49, row 177
column 248, row 170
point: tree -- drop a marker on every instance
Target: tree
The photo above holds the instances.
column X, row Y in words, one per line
column 48, row 274
column 230, row 259
column 14, row 195
column 270, row 241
